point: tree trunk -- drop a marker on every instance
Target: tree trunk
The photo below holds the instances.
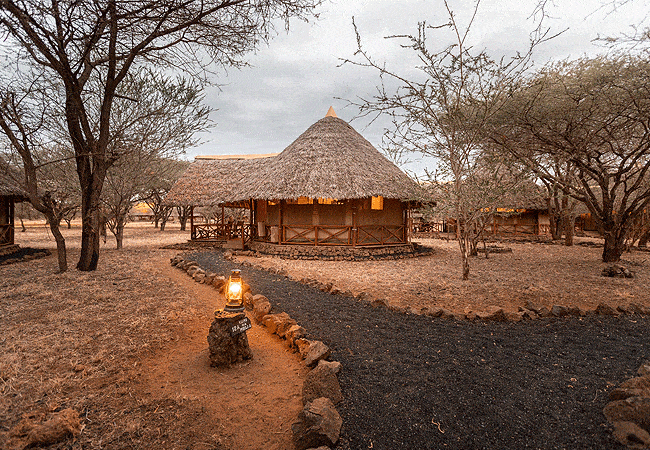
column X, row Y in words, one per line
column 614, row 245
column 569, row 229
column 462, row 242
column 182, row 216
column 119, row 234
column 90, row 229
column 22, row 224
column 60, row 243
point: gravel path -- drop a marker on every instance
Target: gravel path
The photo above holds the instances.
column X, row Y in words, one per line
column 413, row 382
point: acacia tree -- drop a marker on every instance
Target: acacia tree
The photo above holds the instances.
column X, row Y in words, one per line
column 99, row 43
column 441, row 113
column 46, row 169
column 155, row 129
column 595, row 114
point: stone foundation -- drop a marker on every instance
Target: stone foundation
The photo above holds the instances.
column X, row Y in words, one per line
column 334, row 252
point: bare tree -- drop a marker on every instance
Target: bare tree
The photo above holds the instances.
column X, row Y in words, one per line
column 155, row 129
column 594, row 114
column 46, row 170
column 441, row 114
column 91, row 47
column 183, row 213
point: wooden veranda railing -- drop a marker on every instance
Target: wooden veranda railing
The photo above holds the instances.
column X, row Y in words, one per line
column 369, row 235
column 381, row 235
column 6, row 234
column 221, row 232
column 316, row 235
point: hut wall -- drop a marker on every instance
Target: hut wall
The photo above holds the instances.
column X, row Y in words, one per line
column 352, row 222
column 391, row 214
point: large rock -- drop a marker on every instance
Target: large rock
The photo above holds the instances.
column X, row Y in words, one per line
column 631, row 435
column 219, row 281
column 261, row 309
column 226, row 349
column 606, row 310
column 248, row 301
column 258, row 298
column 293, row 333
column 644, row 369
column 559, row 311
column 618, row 271
column 199, row 276
column 632, row 409
column 493, row 313
column 318, row 424
column 302, row 345
column 278, row 323
column 209, row 277
column 321, row 382
column 334, row 366
column 194, row 269
column 317, row 351
column 634, row 387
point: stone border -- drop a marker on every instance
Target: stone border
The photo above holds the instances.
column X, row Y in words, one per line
column 529, row 311
column 337, row 253
column 319, row 423
column 629, row 410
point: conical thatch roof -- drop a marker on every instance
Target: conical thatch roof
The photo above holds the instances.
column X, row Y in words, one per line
column 208, row 182
column 331, row 160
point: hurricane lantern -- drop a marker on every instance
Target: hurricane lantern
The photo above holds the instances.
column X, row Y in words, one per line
column 234, row 293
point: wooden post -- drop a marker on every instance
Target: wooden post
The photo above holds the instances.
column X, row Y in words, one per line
column 281, row 224
column 192, row 232
column 354, row 230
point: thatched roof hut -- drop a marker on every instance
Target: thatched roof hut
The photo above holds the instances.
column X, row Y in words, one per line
column 10, row 193
column 329, row 187
column 331, row 160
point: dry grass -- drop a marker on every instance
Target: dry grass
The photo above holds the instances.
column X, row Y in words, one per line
column 125, row 346
column 77, row 340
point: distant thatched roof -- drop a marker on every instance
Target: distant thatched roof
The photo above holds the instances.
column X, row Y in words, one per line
column 212, row 181
column 329, row 160
column 9, row 188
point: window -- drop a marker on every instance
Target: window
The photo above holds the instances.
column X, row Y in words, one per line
column 377, row 202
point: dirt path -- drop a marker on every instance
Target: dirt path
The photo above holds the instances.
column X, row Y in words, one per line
column 254, row 403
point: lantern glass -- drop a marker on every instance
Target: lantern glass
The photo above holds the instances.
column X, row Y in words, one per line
column 234, row 293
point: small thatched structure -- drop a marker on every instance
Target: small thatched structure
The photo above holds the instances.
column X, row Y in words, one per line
column 329, row 187
column 10, row 193
column 212, row 182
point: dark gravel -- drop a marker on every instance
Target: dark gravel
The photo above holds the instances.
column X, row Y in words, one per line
column 413, row 382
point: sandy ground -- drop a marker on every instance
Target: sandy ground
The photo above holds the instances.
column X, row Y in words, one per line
column 125, row 346
column 543, row 274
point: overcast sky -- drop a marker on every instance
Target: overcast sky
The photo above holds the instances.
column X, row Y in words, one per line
column 292, row 82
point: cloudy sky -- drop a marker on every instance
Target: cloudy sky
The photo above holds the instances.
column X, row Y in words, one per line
column 292, row 82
